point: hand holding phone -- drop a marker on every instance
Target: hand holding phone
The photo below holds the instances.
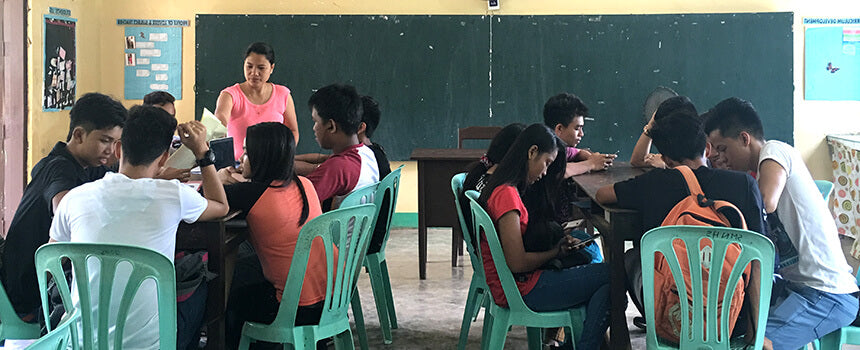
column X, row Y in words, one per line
column 586, row 242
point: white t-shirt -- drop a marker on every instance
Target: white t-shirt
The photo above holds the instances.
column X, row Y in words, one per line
column 142, row 212
column 819, row 261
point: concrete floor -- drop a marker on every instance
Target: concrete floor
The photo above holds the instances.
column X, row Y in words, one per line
column 429, row 312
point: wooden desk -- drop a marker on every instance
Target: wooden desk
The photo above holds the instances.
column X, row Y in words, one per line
column 616, row 225
column 220, row 238
column 436, row 207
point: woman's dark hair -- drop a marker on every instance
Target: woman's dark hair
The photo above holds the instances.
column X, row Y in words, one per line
column 498, row 147
column 514, row 168
column 261, row 48
column 539, row 198
column 271, row 150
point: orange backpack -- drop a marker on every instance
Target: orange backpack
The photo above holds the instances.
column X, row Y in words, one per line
column 695, row 209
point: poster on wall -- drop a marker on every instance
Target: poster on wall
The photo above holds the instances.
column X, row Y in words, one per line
column 153, row 60
column 831, row 60
column 60, row 59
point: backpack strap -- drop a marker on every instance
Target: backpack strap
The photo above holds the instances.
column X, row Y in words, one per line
column 692, row 182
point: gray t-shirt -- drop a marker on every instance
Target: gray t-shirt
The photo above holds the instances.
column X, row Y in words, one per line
column 817, row 260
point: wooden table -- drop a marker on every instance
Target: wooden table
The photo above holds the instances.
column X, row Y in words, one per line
column 220, row 238
column 436, row 167
column 616, row 225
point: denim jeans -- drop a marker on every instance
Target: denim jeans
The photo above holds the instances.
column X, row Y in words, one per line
column 579, row 285
column 800, row 314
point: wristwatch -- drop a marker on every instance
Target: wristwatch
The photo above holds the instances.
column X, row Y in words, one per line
column 208, row 159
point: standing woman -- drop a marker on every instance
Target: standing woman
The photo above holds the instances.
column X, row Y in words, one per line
column 256, row 100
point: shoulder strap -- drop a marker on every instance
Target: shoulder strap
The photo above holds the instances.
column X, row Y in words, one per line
column 690, row 178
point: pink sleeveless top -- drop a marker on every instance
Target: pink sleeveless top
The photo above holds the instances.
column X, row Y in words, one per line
column 245, row 113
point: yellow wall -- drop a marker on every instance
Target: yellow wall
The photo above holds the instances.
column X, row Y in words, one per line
column 46, row 128
column 101, row 67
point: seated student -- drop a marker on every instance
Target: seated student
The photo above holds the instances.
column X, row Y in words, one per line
column 680, row 138
column 276, row 203
column 306, row 163
column 641, row 156
column 817, row 292
column 565, row 114
column 130, row 207
column 336, row 110
column 543, row 290
column 161, row 99
column 476, row 176
column 96, row 124
column 164, row 100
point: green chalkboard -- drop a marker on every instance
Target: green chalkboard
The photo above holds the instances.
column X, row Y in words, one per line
column 435, row 74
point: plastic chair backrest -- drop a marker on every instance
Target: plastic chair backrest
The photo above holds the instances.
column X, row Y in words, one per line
column 362, row 195
column 62, row 337
column 754, row 247
column 825, row 187
column 331, row 227
column 11, row 326
column 474, row 253
column 481, row 222
column 387, row 193
column 145, row 263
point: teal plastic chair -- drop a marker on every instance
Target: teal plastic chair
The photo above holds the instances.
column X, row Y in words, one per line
column 754, row 247
column 500, row 319
column 334, row 229
column 846, row 335
column 478, row 290
column 825, row 187
column 11, row 326
column 145, row 263
column 362, row 195
column 375, row 263
column 62, row 337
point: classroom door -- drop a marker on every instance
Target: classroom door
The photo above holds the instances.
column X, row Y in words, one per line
column 13, row 107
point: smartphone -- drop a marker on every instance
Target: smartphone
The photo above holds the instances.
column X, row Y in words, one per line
column 587, row 241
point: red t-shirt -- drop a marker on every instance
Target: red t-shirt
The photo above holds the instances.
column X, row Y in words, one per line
column 505, row 198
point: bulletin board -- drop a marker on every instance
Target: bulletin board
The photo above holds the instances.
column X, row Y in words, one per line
column 60, row 60
column 153, row 61
column 832, row 63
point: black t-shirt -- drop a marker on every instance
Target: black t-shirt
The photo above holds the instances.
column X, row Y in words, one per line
column 57, row 172
column 656, row 192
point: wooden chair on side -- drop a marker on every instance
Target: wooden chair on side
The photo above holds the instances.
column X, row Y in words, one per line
column 468, row 133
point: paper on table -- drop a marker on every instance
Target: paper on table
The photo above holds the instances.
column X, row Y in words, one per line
column 183, row 158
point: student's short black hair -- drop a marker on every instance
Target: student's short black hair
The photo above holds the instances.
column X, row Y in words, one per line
column 261, row 48
column 562, row 108
column 158, row 98
column 673, row 104
column 340, row 103
column 95, row 111
column 732, row 116
column 147, row 134
column 271, row 150
column 370, row 115
column 679, row 136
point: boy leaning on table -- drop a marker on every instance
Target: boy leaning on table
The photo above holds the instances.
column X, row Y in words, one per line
column 815, row 292
column 131, row 207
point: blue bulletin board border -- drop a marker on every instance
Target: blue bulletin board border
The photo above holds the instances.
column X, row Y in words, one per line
column 45, row 58
column 152, row 60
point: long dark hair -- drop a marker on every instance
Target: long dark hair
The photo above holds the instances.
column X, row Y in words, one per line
column 271, row 151
column 540, row 196
column 514, row 168
column 498, row 147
